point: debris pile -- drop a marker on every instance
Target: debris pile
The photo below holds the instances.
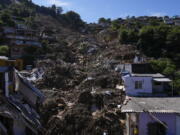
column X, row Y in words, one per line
column 87, row 116
column 80, row 84
column 19, row 105
column 60, row 74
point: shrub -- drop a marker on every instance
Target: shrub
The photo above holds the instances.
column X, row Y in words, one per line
column 4, row 50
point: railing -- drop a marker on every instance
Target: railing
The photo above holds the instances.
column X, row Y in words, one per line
column 21, row 37
column 20, row 42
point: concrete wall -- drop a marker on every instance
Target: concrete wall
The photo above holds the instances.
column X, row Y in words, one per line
column 129, row 83
column 169, row 119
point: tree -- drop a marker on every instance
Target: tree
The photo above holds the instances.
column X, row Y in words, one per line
column 53, row 7
column 152, row 40
column 4, row 50
column 177, row 81
column 59, row 10
column 128, row 36
column 123, row 36
column 173, row 42
column 116, row 24
column 74, row 20
column 6, row 19
column 164, row 66
column 104, row 21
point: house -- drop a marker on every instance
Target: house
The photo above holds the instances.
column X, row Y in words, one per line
column 150, row 107
column 19, row 102
column 146, row 84
column 168, row 21
column 152, row 115
column 177, row 22
column 172, row 21
column 19, row 38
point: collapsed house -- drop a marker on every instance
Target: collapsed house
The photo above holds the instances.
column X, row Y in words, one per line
column 19, row 103
column 150, row 107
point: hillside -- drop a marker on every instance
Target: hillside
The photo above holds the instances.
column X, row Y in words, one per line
column 79, row 62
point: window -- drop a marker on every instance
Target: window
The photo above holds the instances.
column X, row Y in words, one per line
column 157, row 83
column 138, row 84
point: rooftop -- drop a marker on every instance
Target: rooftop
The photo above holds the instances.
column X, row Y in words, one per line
column 152, row 104
column 158, row 75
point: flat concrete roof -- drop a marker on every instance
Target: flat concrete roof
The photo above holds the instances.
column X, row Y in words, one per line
column 151, row 104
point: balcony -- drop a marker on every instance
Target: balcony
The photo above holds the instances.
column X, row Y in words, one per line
column 28, row 43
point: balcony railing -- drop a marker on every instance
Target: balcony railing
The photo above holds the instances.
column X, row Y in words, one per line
column 20, row 42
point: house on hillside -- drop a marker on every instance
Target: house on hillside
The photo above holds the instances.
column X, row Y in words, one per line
column 177, row 22
column 150, row 107
column 136, row 84
column 172, row 21
column 19, row 38
column 168, row 21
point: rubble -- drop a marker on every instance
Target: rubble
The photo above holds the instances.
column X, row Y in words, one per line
column 19, row 105
column 80, row 83
column 79, row 74
column 82, row 119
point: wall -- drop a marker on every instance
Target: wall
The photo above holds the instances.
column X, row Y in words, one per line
column 129, row 83
column 18, row 128
column 124, row 67
column 169, row 119
column 29, row 94
column 177, row 125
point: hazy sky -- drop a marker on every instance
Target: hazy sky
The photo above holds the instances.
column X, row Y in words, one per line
column 91, row 10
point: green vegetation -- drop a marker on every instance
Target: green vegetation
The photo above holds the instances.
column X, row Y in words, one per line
column 128, row 36
column 168, row 68
column 6, row 19
column 154, row 41
column 4, row 50
column 165, row 66
column 73, row 19
column 26, row 11
column 104, row 21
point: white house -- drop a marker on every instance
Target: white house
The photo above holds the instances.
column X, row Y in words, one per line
column 146, row 84
column 177, row 22
column 168, row 20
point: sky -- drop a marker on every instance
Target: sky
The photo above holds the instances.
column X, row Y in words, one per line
column 92, row 10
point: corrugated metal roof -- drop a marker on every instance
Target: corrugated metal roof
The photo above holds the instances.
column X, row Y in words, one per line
column 162, row 80
column 152, row 104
